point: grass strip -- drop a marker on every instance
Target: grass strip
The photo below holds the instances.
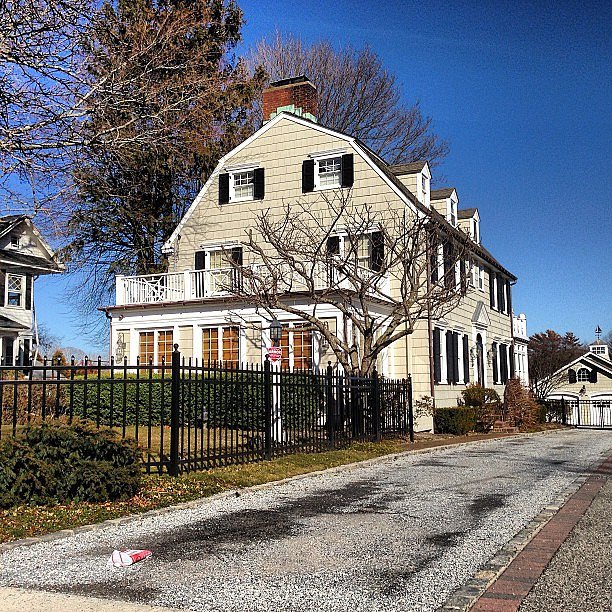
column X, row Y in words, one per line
column 162, row 491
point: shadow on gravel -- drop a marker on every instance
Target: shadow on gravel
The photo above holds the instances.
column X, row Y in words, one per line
column 483, row 504
column 235, row 531
column 120, row 590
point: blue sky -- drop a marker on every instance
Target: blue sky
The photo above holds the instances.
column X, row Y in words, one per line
column 522, row 93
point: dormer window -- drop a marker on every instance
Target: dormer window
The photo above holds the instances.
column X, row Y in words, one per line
column 15, row 242
column 452, row 212
column 476, row 230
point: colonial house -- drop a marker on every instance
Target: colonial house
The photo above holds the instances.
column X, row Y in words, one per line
column 293, row 158
column 24, row 256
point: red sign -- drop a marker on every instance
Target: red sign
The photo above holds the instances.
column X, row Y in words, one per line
column 275, row 353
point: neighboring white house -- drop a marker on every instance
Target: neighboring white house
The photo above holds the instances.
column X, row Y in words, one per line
column 24, row 256
column 292, row 158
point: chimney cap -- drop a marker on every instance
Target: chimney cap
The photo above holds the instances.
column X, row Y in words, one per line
column 291, row 81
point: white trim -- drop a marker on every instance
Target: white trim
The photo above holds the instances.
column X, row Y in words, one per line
column 242, row 167
column 325, row 154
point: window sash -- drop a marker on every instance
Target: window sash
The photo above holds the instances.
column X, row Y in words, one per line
column 14, row 290
column 164, row 347
column 330, row 172
column 146, row 348
column 244, row 185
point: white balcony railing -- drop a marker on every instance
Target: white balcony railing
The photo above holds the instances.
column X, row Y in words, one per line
column 198, row 284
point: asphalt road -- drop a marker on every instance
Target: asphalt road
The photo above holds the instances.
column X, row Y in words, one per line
column 396, row 535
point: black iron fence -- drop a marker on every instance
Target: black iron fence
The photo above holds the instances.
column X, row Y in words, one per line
column 593, row 413
column 188, row 416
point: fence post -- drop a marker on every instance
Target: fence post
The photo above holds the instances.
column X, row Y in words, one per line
column 175, row 407
column 563, row 411
column 410, row 409
column 329, row 392
column 268, row 408
column 376, row 404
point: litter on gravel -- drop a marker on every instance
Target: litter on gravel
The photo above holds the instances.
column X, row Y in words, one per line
column 124, row 558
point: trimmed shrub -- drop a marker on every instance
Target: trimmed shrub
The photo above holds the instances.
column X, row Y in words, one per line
column 58, row 463
column 457, row 421
column 485, row 402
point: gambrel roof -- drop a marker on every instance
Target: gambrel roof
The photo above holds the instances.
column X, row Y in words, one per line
column 385, row 172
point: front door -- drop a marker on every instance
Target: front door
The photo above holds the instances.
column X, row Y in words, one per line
column 479, row 361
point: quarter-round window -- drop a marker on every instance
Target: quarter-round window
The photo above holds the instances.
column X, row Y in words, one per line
column 583, row 375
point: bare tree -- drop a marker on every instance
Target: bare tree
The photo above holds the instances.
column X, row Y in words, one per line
column 42, row 92
column 549, row 352
column 356, row 95
column 372, row 265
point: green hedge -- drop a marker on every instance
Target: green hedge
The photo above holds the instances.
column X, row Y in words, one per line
column 457, row 421
column 58, row 464
column 235, row 401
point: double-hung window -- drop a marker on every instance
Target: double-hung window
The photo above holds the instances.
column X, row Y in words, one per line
column 243, row 184
column 14, row 290
column 366, row 250
column 329, row 172
column 155, row 347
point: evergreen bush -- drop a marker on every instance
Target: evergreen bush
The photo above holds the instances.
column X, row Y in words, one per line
column 456, row 421
column 59, row 463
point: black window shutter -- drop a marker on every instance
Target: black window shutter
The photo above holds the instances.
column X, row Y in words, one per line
column 333, row 245
column 491, row 288
column 237, row 255
column 466, row 360
column 433, row 263
column 455, row 357
column 500, row 294
column 200, row 260
column 2, row 287
column 347, row 170
column 503, row 357
column 378, row 251
column 572, row 376
column 509, row 296
column 437, row 355
column 449, row 357
column 224, row 188
column 259, row 186
column 593, row 376
column 308, row 182
column 494, row 360
column 28, row 295
column 512, row 372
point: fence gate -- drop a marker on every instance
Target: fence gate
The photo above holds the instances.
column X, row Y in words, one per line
column 587, row 413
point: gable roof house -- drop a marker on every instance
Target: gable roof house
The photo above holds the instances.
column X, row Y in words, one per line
column 588, row 377
column 293, row 158
column 24, row 256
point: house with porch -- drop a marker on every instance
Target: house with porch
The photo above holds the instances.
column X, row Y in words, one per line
column 293, row 158
column 24, row 256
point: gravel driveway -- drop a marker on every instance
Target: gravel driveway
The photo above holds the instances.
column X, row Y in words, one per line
column 397, row 535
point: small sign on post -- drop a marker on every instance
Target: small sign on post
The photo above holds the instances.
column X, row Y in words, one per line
column 275, row 353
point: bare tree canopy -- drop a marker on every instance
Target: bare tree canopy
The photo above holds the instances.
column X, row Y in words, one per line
column 169, row 100
column 371, row 265
column 548, row 353
column 356, row 96
column 42, row 90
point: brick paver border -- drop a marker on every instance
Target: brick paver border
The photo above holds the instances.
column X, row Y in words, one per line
column 505, row 582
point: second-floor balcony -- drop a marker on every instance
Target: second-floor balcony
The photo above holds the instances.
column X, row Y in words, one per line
column 222, row 282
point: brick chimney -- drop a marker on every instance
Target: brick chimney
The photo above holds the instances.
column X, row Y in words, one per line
column 296, row 95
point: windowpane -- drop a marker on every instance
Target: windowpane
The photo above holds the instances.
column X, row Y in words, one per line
column 164, row 347
column 329, row 172
column 583, row 375
column 302, row 348
column 14, row 290
column 363, row 250
column 146, row 349
column 284, row 344
column 219, row 259
column 244, row 183
column 231, row 345
column 210, row 345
